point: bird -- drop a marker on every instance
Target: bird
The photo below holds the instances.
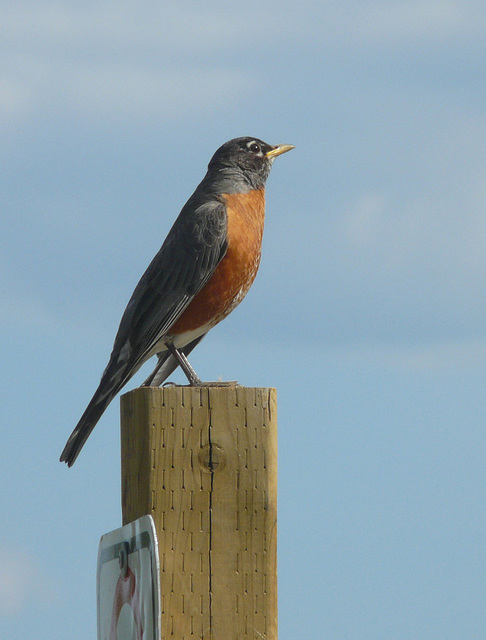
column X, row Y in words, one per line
column 202, row 271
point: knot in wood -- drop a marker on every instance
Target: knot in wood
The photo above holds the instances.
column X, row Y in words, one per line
column 212, row 457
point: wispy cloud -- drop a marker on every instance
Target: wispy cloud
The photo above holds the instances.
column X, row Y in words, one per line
column 112, row 59
column 440, row 236
column 108, row 61
column 432, row 356
column 21, row 580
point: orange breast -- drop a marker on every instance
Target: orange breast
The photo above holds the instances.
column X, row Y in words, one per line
column 235, row 273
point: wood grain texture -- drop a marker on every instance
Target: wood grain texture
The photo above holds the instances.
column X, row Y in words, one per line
column 203, row 463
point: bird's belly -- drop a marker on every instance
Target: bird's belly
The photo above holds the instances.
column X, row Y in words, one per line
column 180, row 340
column 236, row 272
column 223, row 292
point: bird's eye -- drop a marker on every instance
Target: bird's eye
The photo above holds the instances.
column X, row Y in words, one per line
column 254, row 147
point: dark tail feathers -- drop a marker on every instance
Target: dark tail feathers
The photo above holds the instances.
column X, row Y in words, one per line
column 85, row 426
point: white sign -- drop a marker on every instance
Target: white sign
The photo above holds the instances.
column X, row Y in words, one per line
column 128, row 583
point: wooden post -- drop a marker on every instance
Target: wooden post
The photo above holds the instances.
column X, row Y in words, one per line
column 203, row 462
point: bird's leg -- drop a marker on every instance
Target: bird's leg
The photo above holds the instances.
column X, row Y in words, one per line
column 185, row 365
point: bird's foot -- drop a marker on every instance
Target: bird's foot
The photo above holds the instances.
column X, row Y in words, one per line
column 192, row 377
column 185, row 365
column 210, row 383
column 219, row 383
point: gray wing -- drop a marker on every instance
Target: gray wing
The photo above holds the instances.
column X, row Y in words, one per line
column 189, row 256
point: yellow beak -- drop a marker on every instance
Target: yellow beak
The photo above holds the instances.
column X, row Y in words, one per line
column 278, row 150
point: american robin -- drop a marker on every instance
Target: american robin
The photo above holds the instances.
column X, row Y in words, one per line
column 202, row 272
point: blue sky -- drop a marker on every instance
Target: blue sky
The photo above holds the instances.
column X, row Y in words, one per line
column 368, row 313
